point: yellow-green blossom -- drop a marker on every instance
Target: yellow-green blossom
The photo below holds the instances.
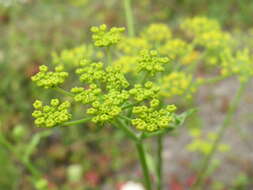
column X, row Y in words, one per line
column 175, row 48
column 151, row 62
column 157, row 33
column 177, row 84
column 72, row 57
column 48, row 79
column 132, row 45
column 199, row 25
column 126, row 63
column 104, row 38
column 86, row 96
column 90, row 71
column 108, row 106
column 203, row 143
column 240, row 64
column 148, row 91
column 51, row 115
column 151, row 118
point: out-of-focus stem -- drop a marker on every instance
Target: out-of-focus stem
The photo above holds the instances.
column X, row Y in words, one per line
column 143, row 161
column 226, row 123
column 129, row 17
column 76, row 122
column 159, row 162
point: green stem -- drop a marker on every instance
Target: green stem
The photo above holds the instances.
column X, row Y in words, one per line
column 109, row 56
column 157, row 133
column 159, row 162
column 213, row 80
column 12, row 149
column 226, row 123
column 129, row 17
column 126, row 129
column 62, row 91
column 76, row 122
column 143, row 160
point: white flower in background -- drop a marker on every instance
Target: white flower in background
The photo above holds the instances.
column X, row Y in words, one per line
column 132, row 186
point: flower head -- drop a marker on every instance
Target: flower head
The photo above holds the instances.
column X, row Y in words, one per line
column 151, row 118
column 104, row 38
column 157, row 32
column 51, row 115
column 144, row 92
column 48, row 79
column 151, row 62
column 177, row 84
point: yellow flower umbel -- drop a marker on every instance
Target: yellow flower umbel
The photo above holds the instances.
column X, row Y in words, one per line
column 207, row 34
column 157, row 33
column 148, row 91
column 126, row 63
column 151, row 118
column 72, row 57
column 131, row 46
column 177, row 84
column 175, row 48
column 108, row 106
column 104, row 38
column 48, row 79
column 51, row 115
column 199, row 25
column 151, row 62
column 240, row 64
column 203, row 143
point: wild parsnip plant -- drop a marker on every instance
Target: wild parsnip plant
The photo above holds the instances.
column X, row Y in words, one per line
column 109, row 96
column 127, row 81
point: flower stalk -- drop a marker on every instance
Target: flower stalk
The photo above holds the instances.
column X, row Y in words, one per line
column 225, row 125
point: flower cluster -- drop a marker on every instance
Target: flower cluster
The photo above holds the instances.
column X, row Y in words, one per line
column 240, row 64
column 199, row 25
column 126, row 63
column 203, row 143
column 131, row 46
column 157, row 33
column 48, row 79
column 151, row 118
column 175, row 48
column 177, row 84
column 208, row 34
column 104, row 38
column 72, row 57
column 107, row 107
column 151, row 62
column 148, row 91
column 90, row 71
column 115, row 78
column 214, row 40
column 51, row 115
column 86, row 96
column 105, row 91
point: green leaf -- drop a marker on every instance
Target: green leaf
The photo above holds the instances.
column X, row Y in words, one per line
column 182, row 117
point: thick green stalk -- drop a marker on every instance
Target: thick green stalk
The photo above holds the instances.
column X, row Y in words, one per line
column 159, row 162
column 126, row 129
column 129, row 17
column 226, row 123
column 76, row 122
column 109, row 56
column 143, row 160
column 64, row 92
